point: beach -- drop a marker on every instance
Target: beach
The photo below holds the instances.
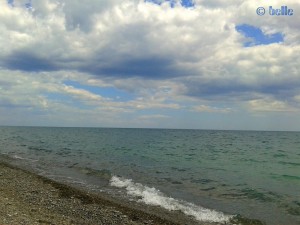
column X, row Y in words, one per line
column 144, row 176
column 27, row 198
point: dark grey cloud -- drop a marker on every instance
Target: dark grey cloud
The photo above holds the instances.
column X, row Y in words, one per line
column 280, row 90
column 28, row 61
column 147, row 67
column 215, row 89
column 234, row 89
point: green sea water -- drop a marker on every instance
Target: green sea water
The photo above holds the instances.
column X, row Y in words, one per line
column 207, row 174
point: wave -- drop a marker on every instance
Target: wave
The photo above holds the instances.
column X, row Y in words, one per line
column 290, row 177
column 152, row 196
column 289, row 163
column 22, row 158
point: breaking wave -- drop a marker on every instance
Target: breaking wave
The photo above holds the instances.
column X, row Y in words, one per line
column 152, row 196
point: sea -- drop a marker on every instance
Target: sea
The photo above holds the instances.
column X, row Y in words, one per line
column 210, row 175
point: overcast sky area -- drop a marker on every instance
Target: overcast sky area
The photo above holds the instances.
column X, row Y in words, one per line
column 202, row 64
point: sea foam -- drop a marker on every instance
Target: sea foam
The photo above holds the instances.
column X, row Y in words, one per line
column 152, row 196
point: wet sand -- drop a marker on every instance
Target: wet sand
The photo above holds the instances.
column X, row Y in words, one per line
column 27, row 198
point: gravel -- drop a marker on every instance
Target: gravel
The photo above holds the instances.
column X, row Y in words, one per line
column 27, row 198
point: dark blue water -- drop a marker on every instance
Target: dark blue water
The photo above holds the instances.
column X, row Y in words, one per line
column 255, row 174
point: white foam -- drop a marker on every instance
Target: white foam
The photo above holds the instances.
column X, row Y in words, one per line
column 22, row 158
column 152, row 196
column 18, row 157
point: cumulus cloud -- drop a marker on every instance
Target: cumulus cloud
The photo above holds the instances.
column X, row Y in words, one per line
column 122, row 41
column 168, row 56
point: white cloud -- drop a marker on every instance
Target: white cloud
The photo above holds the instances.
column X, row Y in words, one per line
column 271, row 105
column 166, row 58
column 81, row 94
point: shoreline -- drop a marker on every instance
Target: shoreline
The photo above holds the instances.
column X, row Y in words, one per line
column 28, row 198
column 150, row 176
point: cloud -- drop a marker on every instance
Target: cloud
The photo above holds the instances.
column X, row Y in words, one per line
column 113, row 36
column 45, row 96
column 152, row 67
column 209, row 109
column 267, row 69
column 271, row 105
column 81, row 94
column 28, row 62
column 150, row 117
column 169, row 59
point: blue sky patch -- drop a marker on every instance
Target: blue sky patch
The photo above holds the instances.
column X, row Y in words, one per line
column 28, row 5
column 24, row 3
column 185, row 3
column 10, row 2
column 257, row 36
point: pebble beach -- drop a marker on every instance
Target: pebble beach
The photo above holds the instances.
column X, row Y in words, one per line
column 27, row 198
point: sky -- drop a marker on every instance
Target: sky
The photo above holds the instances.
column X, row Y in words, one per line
column 190, row 64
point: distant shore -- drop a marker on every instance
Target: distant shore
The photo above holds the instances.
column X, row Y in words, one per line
column 27, row 198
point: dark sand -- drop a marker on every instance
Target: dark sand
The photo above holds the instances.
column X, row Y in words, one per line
column 27, row 198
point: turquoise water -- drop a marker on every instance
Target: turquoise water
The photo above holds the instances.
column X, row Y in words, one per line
column 252, row 173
